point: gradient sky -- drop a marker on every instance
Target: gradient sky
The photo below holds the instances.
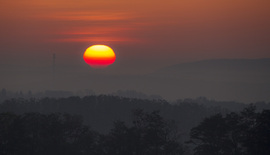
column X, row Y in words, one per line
column 145, row 34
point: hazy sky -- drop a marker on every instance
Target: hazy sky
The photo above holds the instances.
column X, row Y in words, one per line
column 145, row 34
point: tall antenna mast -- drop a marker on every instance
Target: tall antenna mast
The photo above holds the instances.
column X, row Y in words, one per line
column 53, row 70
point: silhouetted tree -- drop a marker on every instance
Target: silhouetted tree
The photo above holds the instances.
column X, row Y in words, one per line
column 34, row 133
column 10, row 134
column 257, row 140
column 149, row 134
column 245, row 133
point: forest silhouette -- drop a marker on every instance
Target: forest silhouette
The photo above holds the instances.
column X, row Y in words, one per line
column 118, row 126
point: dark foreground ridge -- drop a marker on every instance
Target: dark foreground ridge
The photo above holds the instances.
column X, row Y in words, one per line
column 35, row 133
column 118, row 126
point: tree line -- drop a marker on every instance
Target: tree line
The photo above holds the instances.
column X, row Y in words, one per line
column 244, row 133
column 43, row 134
column 77, row 125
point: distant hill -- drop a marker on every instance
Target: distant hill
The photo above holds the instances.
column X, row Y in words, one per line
column 242, row 70
column 242, row 80
column 246, row 80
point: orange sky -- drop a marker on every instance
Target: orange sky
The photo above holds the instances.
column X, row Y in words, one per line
column 160, row 32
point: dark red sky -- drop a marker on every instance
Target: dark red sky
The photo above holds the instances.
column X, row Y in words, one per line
column 145, row 34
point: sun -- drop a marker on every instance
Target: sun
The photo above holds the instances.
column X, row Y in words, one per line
column 99, row 56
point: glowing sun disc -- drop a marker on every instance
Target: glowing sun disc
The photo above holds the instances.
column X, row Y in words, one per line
column 99, row 56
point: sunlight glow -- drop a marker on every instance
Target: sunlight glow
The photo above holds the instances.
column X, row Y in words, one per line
column 99, row 56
